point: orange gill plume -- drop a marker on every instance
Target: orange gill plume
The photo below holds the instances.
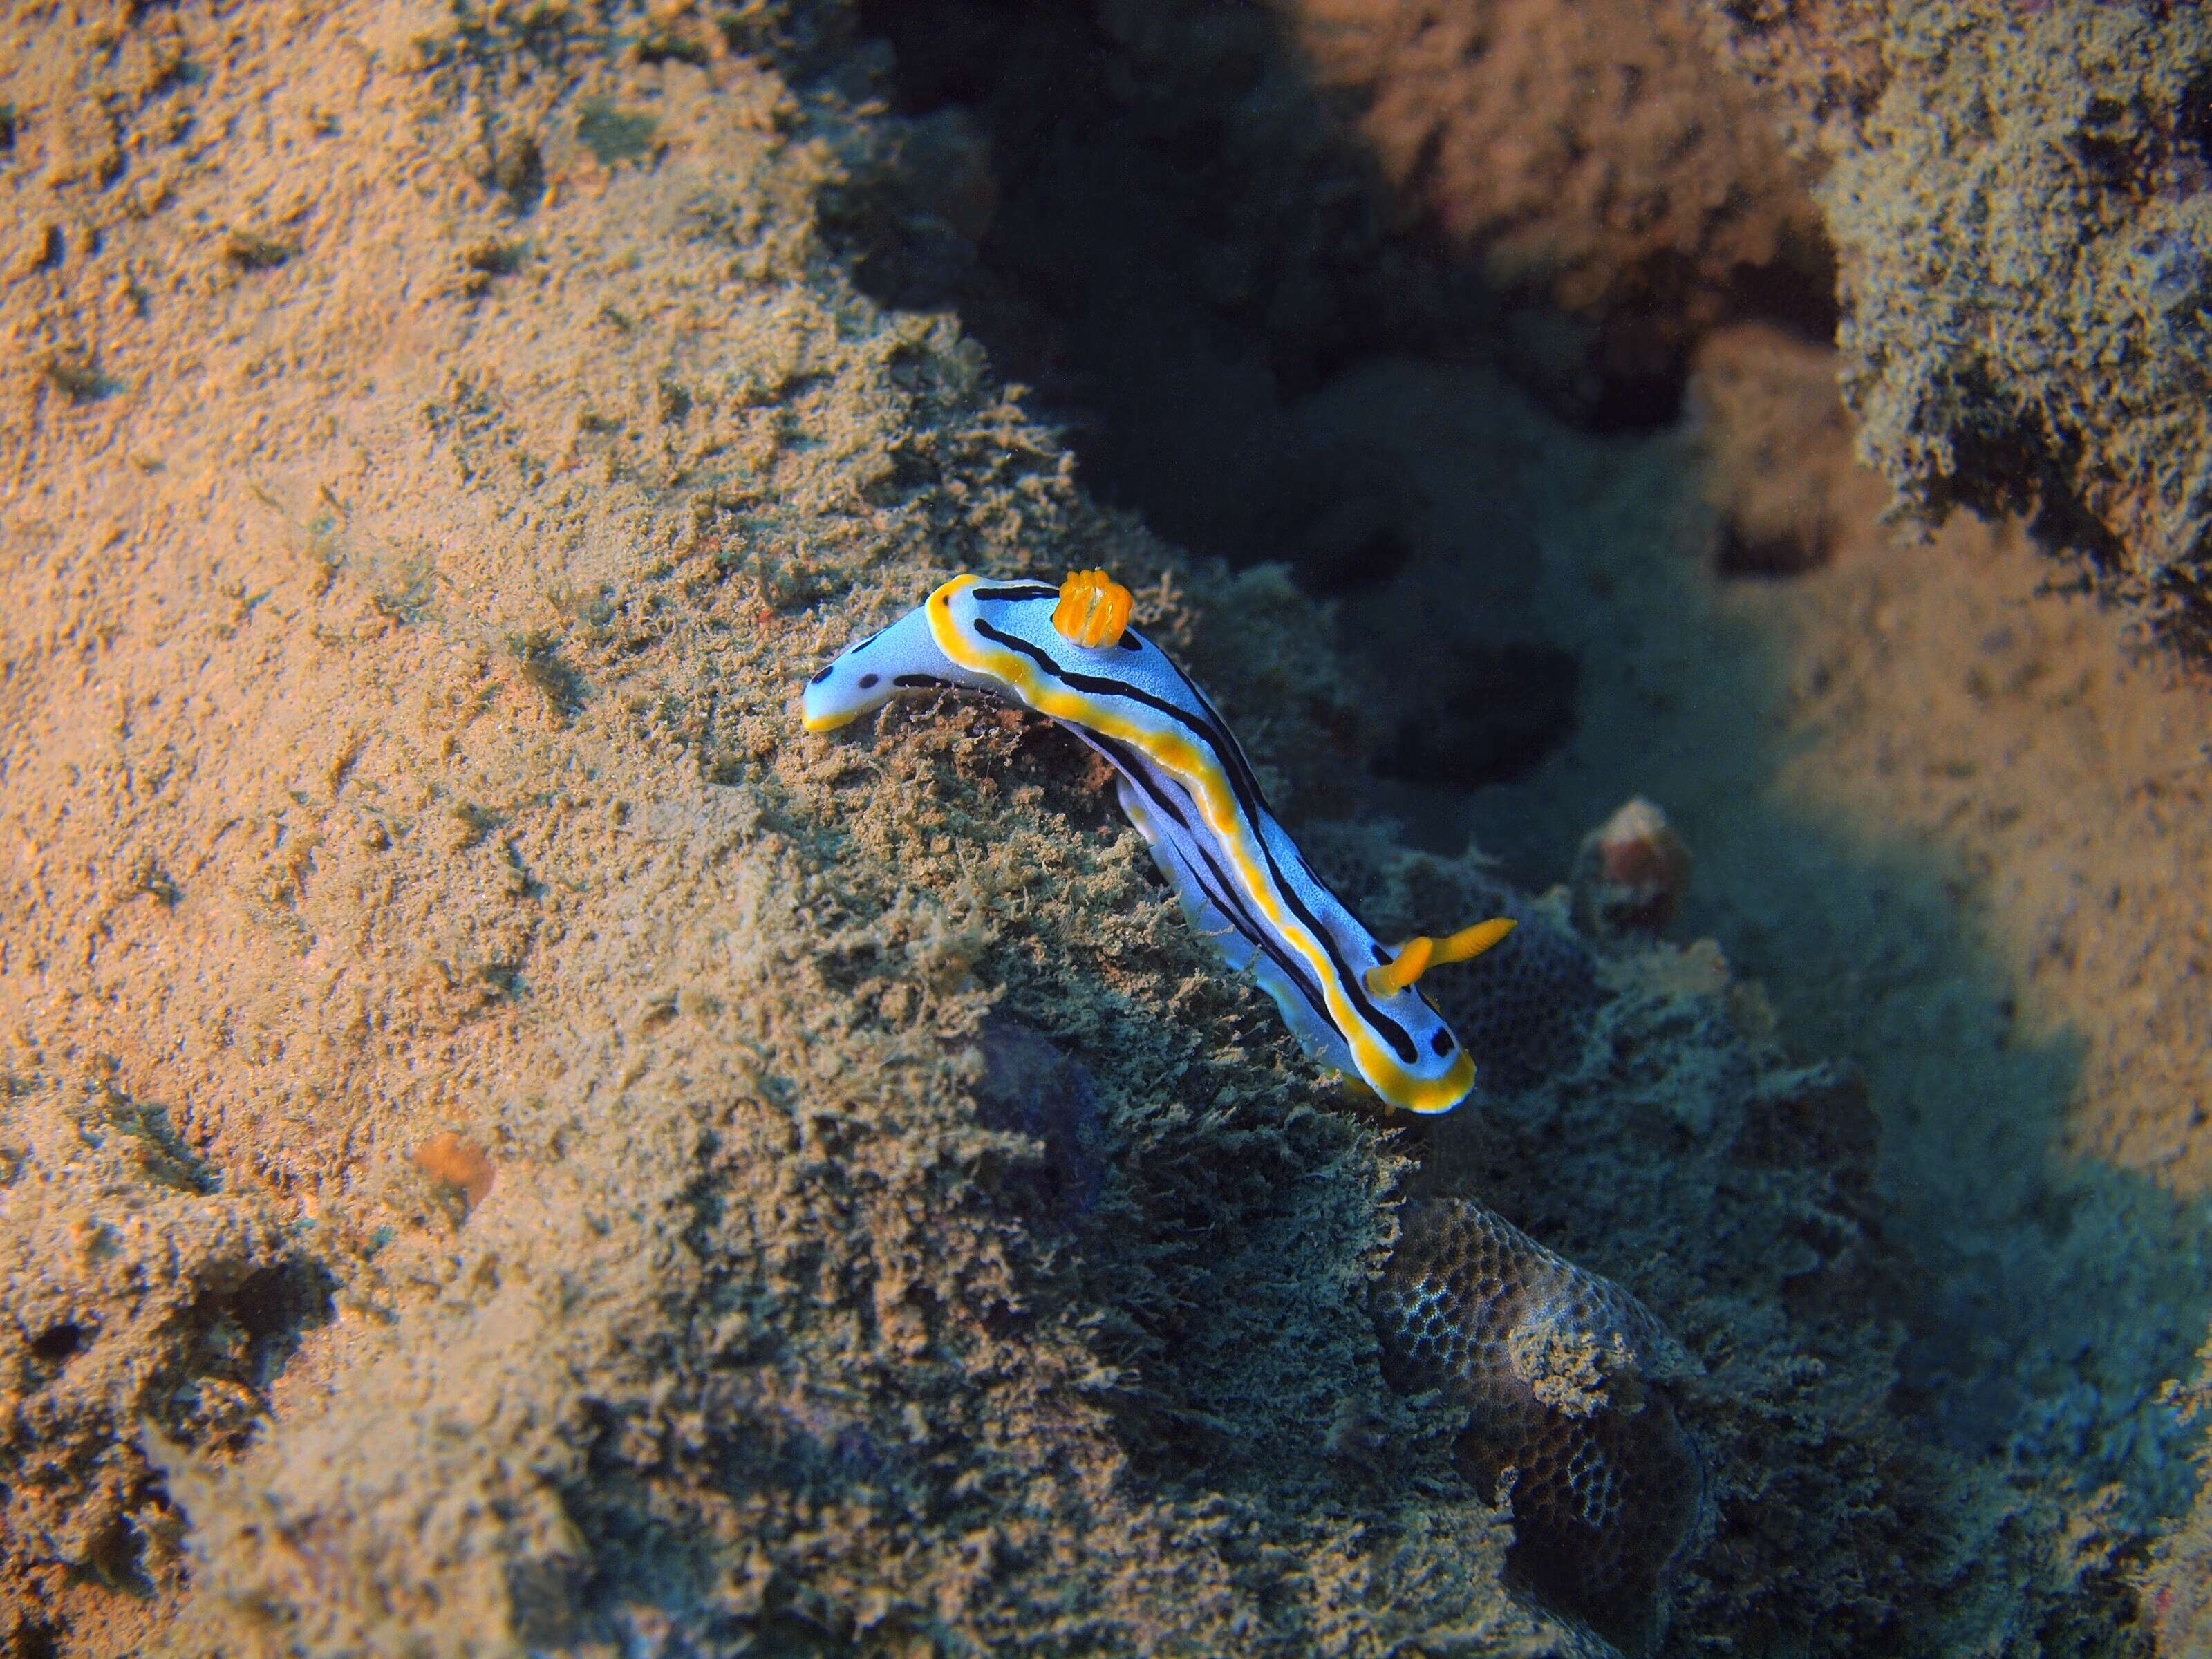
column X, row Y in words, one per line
column 1093, row 610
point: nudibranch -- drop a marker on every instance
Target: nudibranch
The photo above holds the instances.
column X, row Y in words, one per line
column 1070, row 653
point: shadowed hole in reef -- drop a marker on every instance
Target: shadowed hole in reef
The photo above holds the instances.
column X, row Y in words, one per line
column 278, row 1305
column 1169, row 224
column 1086, row 210
column 58, row 1343
column 1162, row 225
column 1089, row 211
column 1495, row 712
column 248, row 1334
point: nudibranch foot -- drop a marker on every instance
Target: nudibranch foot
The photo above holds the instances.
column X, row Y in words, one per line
column 1069, row 652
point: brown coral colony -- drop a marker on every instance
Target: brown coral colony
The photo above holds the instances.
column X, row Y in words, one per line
column 1571, row 1420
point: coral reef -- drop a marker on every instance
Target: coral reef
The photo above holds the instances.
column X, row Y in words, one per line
column 1684, row 1158
column 405, row 749
column 1565, row 1377
column 447, row 439
column 1620, row 195
column 2018, row 198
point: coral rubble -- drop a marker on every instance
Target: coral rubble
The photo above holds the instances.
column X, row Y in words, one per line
column 446, row 438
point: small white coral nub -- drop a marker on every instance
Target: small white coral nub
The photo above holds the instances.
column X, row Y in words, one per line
column 1630, row 873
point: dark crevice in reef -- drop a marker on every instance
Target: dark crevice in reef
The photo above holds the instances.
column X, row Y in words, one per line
column 1167, row 227
column 1167, row 239
column 1492, row 716
column 58, row 1343
column 1171, row 246
column 1172, row 233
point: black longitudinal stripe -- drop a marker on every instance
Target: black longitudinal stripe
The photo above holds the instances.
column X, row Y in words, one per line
column 1215, row 735
column 1220, row 892
column 857, row 645
column 1214, row 732
column 921, row 683
column 1125, row 761
column 1241, row 779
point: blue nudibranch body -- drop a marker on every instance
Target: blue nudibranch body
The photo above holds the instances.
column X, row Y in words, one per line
column 1068, row 653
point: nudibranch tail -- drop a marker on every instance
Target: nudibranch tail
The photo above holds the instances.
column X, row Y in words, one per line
column 1069, row 652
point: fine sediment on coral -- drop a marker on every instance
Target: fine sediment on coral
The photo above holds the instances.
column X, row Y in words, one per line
column 2021, row 201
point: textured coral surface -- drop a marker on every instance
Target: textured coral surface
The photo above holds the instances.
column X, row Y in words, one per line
column 2021, row 200
column 1565, row 1377
column 509, row 1146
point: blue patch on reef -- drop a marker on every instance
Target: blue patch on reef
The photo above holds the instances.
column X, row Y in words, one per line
column 2173, row 271
column 1029, row 1087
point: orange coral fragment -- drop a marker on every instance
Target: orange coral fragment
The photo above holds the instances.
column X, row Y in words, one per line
column 1420, row 953
column 447, row 1157
column 1093, row 609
